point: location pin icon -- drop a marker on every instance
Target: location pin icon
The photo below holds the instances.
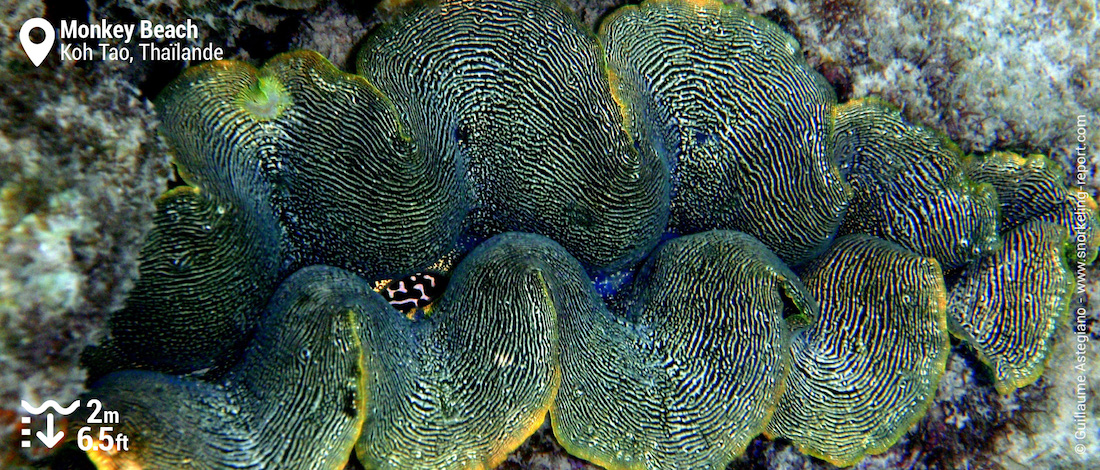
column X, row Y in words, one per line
column 37, row 52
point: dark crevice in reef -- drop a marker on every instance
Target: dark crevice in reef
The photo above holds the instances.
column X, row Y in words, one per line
column 783, row 19
column 598, row 23
column 262, row 45
column 847, row 16
column 159, row 75
column 255, row 43
column 57, row 10
column 349, row 63
column 363, row 10
column 69, row 457
column 761, row 452
column 840, row 80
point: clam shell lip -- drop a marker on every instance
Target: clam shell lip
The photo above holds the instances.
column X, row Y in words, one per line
column 1007, row 305
column 465, row 386
column 259, row 341
column 159, row 408
column 689, row 380
column 879, row 346
column 206, row 268
column 719, row 93
column 1034, row 188
column 318, row 149
column 528, row 121
column 909, row 186
column 299, row 381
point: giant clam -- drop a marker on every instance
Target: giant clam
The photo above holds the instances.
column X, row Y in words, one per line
column 473, row 121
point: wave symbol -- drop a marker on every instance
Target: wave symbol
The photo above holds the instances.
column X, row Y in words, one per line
column 50, row 404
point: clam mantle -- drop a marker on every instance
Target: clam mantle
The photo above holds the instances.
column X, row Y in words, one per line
column 672, row 237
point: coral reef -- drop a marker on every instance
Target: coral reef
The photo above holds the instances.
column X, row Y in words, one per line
column 333, row 33
column 990, row 73
column 69, row 231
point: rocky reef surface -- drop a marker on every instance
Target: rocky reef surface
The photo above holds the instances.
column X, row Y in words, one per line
column 81, row 163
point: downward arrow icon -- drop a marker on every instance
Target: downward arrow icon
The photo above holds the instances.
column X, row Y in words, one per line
column 48, row 437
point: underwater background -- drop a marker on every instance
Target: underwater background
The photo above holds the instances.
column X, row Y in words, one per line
column 81, row 164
